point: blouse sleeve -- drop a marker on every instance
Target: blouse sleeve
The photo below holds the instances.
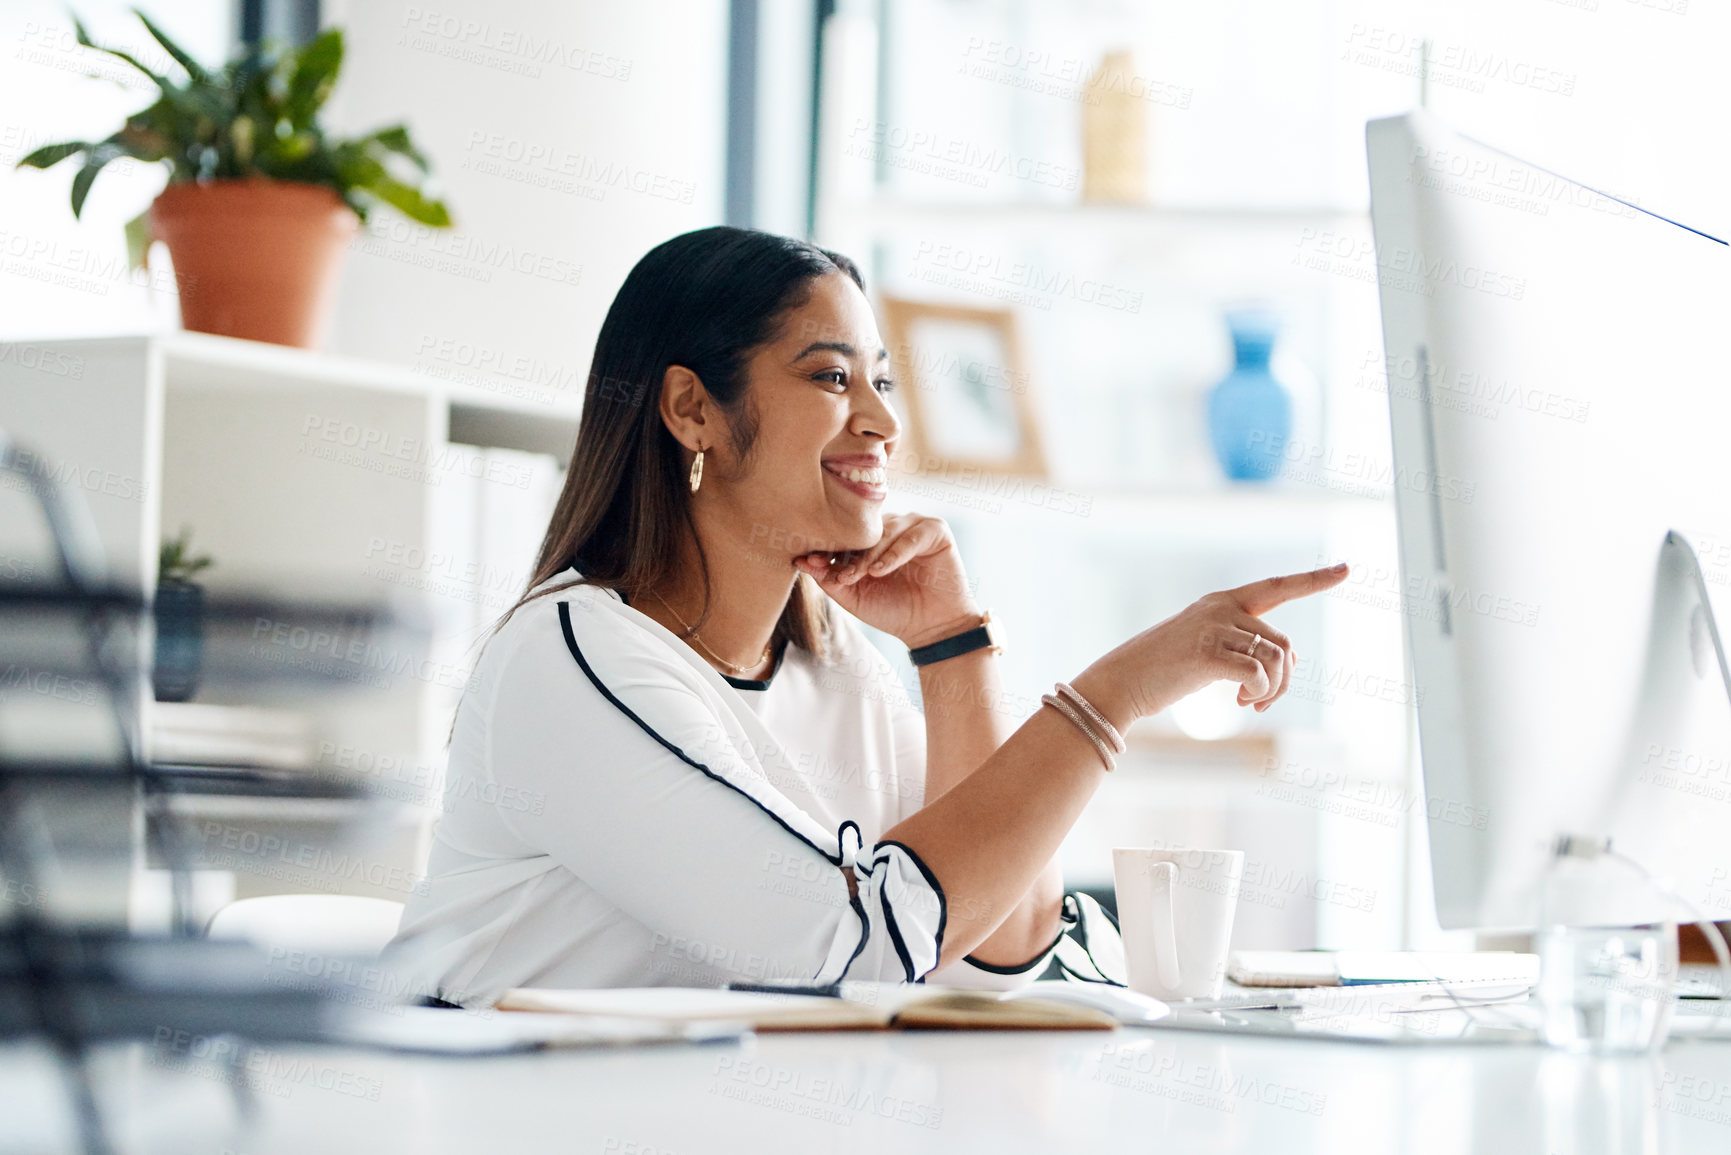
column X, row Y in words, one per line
column 650, row 801
column 908, row 725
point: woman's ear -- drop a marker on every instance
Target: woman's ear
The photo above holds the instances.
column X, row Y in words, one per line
column 686, row 409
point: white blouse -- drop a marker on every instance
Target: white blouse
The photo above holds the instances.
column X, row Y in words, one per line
column 620, row 814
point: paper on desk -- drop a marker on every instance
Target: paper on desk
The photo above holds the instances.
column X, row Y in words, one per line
column 703, row 1004
column 1280, row 968
column 442, row 1031
column 863, row 1006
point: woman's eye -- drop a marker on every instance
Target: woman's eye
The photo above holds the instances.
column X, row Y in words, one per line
column 885, row 385
column 836, row 377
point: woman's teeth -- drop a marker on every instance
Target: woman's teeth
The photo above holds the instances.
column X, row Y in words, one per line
column 874, row 476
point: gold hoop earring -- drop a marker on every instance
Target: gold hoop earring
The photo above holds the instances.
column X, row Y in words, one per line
column 697, row 471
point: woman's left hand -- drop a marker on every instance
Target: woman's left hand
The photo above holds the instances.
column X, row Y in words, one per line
column 910, row 585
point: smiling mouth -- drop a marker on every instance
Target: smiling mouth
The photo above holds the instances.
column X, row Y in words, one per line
column 870, row 481
column 875, row 475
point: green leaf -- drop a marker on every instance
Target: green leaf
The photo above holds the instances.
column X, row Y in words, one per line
column 50, row 155
column 409, row 201
column 396, row 139
column 314, row 75
column 82, row 182
column 241, row 134
column 83, row 35
column 198, row 74
column 138, row 240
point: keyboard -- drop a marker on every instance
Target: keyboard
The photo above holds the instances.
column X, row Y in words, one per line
column 1700, row 981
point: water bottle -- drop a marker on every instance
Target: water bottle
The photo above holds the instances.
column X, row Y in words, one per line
column 1605, row 986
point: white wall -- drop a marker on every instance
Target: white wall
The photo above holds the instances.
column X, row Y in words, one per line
column 569, row 138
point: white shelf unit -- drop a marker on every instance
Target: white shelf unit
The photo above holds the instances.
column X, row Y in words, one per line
column 1145, row 522
column 303, row 476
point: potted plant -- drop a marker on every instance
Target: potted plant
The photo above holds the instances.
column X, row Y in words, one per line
column 260, row 205
column 179, row 616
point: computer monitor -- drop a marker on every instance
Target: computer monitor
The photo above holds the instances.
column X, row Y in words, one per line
column 1560, row 406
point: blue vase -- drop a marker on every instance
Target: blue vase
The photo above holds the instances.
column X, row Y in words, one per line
column 1249, row 412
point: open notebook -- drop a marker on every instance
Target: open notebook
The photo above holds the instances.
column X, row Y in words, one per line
column 862, row 1006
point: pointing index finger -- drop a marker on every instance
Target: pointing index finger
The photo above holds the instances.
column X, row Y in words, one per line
column 1261, row 596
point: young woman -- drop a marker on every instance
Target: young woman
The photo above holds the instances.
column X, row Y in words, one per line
column 679, row 764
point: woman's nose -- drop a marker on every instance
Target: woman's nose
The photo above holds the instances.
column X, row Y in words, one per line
column 875, row 416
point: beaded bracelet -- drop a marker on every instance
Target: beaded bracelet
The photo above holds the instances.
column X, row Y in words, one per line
column 1081, row 723
column 1101, row 726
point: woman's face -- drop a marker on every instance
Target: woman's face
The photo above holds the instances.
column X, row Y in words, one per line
column 816, row 475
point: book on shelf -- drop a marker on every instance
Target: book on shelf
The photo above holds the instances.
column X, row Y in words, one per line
column 206, row 734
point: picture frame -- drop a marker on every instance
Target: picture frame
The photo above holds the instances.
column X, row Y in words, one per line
column 964, row 388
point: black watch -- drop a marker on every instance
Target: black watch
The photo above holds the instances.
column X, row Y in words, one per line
column 966, row 642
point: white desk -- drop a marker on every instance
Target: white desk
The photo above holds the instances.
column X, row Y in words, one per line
column 1132, row 1090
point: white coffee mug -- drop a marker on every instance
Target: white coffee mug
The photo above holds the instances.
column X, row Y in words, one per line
column 1175, row 910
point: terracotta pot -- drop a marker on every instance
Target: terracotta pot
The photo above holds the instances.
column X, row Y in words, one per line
column 255, row 258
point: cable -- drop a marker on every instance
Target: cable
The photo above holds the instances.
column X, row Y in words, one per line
column 1709, row 929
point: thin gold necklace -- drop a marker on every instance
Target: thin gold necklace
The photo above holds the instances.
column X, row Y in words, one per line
column 738, row 671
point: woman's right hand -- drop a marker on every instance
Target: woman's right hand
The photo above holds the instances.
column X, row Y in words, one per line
column 1210, row 641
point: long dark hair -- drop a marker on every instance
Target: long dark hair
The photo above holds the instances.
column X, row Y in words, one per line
column 705, row 300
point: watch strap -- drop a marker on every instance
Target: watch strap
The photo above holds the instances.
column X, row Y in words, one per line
column 966, row 642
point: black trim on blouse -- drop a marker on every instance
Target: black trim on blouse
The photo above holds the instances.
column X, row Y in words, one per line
column 577, row 652
column 896, row 939
column 1020, row 968
column 836, row 859
column 937, row 888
